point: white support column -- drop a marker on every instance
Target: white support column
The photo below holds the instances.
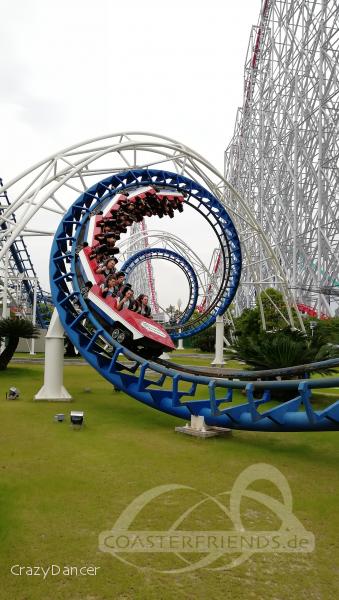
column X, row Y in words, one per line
column 53, row 388
column 32, row 349
column 219, row 341
column 4, row 297
column 180, row 344
column 5, row 288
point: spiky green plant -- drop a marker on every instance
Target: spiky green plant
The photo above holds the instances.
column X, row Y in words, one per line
column 12, row 330
column 286, row 348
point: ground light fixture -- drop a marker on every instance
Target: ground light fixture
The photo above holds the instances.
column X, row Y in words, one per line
column 77, row 418
column 12, row 394
column 59, row 418
column 313, row 325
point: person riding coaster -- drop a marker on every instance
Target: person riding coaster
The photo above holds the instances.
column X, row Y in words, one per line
column 137, row 332
column 127, row 319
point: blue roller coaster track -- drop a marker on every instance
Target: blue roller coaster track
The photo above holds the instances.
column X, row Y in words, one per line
column 180, row 393
column 24, row 266
column 163, row 253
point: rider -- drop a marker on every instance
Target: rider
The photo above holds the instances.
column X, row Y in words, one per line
column 142, row 306
column 109, row 287
column 126, row 298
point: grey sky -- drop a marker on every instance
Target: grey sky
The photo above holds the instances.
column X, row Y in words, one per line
column 72, row 70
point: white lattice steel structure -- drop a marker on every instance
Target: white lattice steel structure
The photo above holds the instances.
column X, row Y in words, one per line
column 142, row 279
column 141, row 238
column 283, row 158
column 41, row 195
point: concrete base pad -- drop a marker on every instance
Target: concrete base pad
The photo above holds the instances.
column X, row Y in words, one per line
column 45, row 394
column 207, row 432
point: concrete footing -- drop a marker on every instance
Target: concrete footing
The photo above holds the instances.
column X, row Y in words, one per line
column 53, row 388
column 219, row 342
column 198, row 428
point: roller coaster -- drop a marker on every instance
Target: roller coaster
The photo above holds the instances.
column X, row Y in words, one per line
column 90, row 176
column 20, row 266
column 161, row 385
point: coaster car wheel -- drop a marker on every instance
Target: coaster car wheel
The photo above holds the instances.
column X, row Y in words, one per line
column 122, row 336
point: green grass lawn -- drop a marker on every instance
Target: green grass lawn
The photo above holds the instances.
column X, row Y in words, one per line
column 60, row 488
column 28, row 355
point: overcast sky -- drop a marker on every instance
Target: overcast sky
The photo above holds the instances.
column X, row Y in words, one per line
column 72, row 70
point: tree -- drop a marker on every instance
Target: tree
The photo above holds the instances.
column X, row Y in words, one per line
column 205, row 340
column 284, row 348
column 70, row 350
column 46, row 310
column 13, row 330
column 328, row 328
column 248, row 323
column 170, row 310
column 275, row 311
column 173, row 313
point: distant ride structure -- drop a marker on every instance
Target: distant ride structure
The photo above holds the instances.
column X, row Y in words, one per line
column 283, row 156
column 177, row 259
column 20, row 287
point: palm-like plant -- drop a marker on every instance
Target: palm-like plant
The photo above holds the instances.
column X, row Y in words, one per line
column 13, row 330
column 284, row 348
